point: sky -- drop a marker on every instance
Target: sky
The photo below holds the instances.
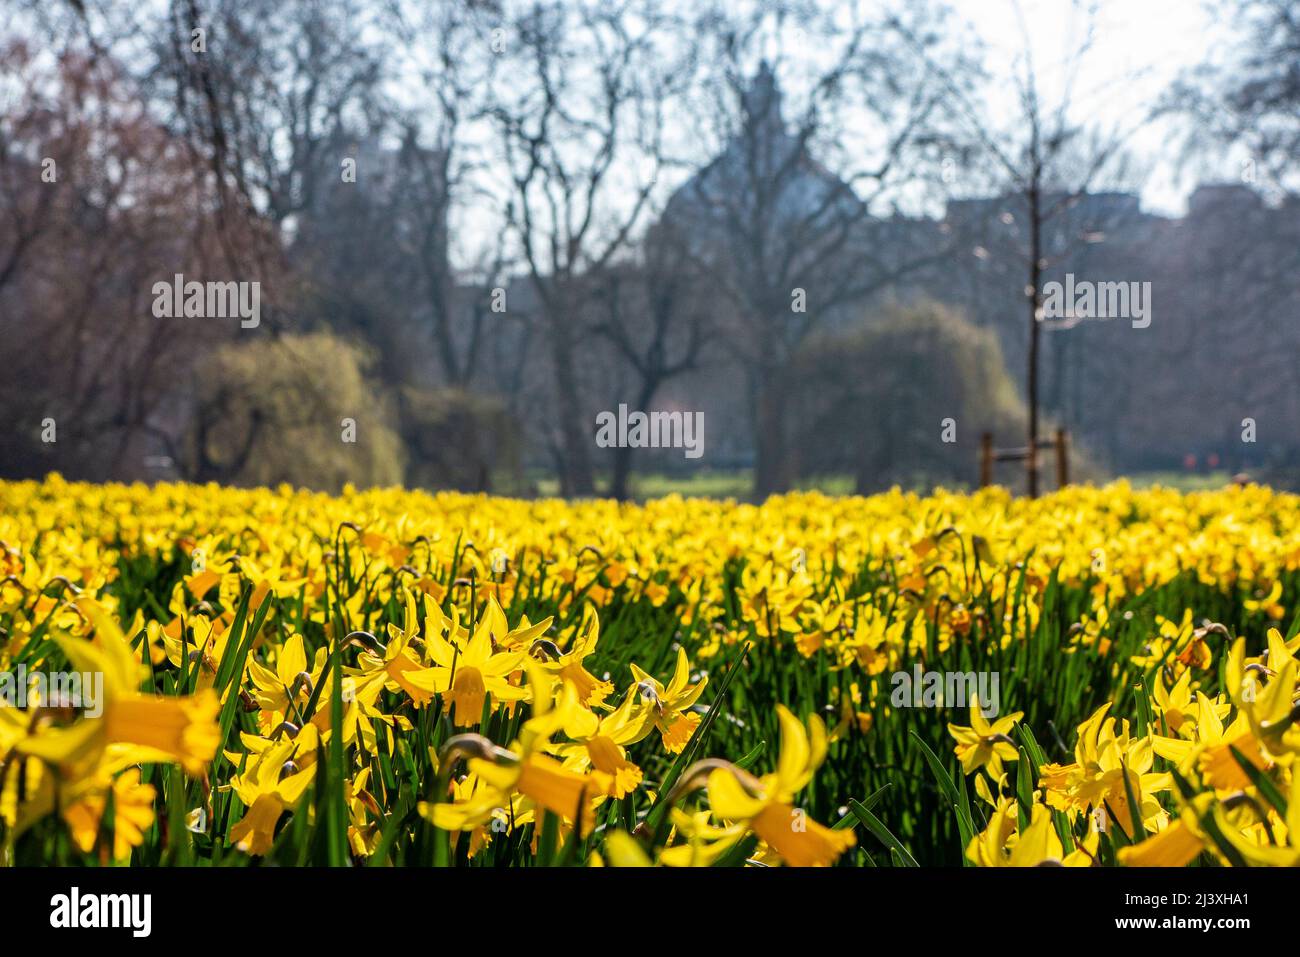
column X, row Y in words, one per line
column 1140, row 47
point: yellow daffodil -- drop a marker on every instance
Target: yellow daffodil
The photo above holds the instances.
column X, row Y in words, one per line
column 182, row 729
column 984, row 743
column 765, row 805
column 671, row 703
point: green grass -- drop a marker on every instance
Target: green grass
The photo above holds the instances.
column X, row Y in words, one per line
column 738, row 484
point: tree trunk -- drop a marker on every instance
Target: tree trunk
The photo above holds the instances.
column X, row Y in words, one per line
column 1035, row 329
column 771, row 458
column 575, row 438
column 618, row 483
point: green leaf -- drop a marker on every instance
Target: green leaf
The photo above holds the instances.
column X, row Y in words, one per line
column 1261, row 781
column 658, row 816
column 877, row 827
column 1134, row 807
column 848, row 819
column 965, row 826
column 1024, row 790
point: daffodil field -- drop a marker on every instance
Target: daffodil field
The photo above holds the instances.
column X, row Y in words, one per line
column 390, row 677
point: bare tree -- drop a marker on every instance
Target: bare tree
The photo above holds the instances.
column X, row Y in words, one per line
column 450, row 59
column 261, row 91
column 580, row 114
column 659, row 318
column 26, row 124
column 94, row 360
column 1049, row 160
column 783, row 217
column 1252, row 97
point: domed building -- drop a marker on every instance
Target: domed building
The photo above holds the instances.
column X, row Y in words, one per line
column 763, row 192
